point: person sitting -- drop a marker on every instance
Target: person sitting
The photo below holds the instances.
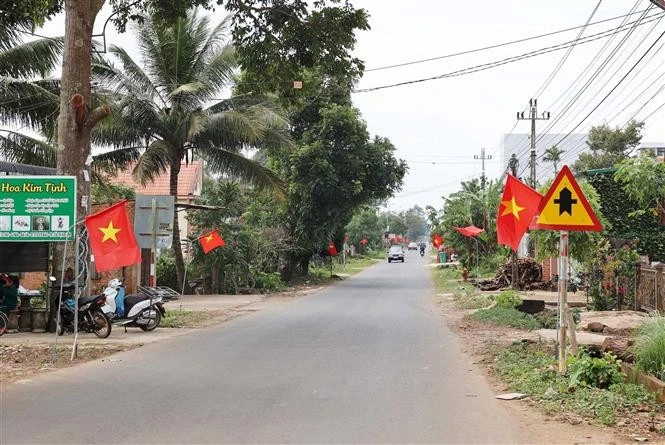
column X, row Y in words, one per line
column 9, row 293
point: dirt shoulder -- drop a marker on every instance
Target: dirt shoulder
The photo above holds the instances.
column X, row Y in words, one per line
column 475, row 337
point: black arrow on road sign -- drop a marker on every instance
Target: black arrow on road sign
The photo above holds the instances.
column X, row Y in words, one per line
column 565, row 201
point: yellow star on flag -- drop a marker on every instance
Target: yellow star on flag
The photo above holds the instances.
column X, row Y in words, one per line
column 208, row 238
column 511, row 208
column 110, row 232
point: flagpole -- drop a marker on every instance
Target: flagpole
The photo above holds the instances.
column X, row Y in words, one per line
column 184, row 278
column 62, row 280
column 563, row 298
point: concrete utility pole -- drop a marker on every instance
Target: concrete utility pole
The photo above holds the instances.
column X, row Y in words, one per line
column 482, row 157
column 533, row 116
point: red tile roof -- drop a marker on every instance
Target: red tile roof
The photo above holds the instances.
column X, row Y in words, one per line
column 190, row 175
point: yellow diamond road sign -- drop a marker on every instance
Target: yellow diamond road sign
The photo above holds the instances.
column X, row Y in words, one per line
column 565, row 207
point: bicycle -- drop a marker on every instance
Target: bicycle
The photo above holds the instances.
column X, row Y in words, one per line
column 4, row 323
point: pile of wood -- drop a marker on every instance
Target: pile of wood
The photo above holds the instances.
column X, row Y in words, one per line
column 529, row 273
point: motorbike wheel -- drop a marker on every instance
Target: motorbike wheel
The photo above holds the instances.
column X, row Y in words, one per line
column 154, row 323
column 101, row 324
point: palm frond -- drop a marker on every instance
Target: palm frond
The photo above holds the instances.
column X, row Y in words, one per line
column 17, row 147
column 112, row 161
column 30, row 59
column 218, row 35
column 27, row 103
column 134, row 75
column 155, row 161
column 237, row 166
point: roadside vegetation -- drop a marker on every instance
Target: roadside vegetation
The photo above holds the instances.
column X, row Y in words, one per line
column 593, row 388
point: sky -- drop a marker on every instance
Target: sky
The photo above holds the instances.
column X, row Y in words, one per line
column 438, row 126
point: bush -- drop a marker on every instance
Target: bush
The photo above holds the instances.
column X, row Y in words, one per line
column 508, row 299
column 507, row 316
column 547, row 319
column 269, row 281
column 166, row 272
column 602, row 373
column 650, row 347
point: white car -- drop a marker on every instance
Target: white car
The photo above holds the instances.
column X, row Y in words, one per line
column 396, row 253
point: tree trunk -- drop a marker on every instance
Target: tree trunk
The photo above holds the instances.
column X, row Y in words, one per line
column 177, row 247
column 76, row 119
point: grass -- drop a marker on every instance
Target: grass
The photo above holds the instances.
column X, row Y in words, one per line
column 183, row 319
column 447, row 279
column 650, row 347
column 472, row 299
column 531, row 369
column 507, row 317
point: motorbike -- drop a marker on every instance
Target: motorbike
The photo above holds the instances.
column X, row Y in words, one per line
column 132, row 310
column 422, row 252
column 91, row 316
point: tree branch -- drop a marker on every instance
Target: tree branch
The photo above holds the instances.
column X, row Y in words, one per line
column 98, row 114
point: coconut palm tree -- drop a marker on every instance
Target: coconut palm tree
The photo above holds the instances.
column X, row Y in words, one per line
column 167, row 109
column 553, row 155
column 28, row 99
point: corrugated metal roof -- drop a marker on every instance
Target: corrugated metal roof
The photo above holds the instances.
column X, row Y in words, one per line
column 13, row 168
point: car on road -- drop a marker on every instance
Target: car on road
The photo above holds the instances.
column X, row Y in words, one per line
column 396, row 253
column 413, row 246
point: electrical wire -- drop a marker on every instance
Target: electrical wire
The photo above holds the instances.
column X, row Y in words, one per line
column 561, row 113
column 494, row 64
column 553, row 74
column 498, row 45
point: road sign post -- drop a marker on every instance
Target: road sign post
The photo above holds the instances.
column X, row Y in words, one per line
column 565, row 208
column 153, row 226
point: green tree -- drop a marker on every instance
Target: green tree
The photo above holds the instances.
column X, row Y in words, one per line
column 416, row 222
column 365, row 224
column 609, row 147
column 553, row 155
column 472, row 205
column 643, row 179
column 259, row 24
column 336, row 170
column 169, row 111
column 28, row 98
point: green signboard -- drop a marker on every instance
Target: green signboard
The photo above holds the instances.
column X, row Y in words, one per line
column 37, row 208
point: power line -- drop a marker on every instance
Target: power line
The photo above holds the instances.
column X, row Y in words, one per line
column 614, row 88
column 549, row 79
column 494, row 64
column 498, row 45
column 562, row 112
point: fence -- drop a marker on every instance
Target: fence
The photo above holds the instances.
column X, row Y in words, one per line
column 650, row 295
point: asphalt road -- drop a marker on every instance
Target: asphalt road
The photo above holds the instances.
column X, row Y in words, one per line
column 366, row 361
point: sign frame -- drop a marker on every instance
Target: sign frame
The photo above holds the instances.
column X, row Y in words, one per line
column 566, row 173
column 15, row 208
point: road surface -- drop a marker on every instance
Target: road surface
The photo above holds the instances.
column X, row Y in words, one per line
column 365, row 361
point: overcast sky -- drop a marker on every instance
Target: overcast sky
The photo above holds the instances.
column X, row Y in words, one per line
column 439, row 125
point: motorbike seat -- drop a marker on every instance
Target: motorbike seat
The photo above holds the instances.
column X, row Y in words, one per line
column 131, row 300
column 88, row 299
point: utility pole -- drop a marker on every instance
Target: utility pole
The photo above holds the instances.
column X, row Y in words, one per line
column 533, row 117
column 482, row 157
column 513, row 165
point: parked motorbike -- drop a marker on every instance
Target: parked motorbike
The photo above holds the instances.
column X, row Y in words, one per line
column 91, row 317
column 132, row 310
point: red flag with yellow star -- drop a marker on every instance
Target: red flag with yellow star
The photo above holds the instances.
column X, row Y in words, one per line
column 112, row 239
column 211, row 240
column 519, row 203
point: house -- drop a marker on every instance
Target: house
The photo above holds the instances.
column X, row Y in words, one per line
column 190, row 184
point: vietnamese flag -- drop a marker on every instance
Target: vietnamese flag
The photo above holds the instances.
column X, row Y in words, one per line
column 519, row 204
column 112, row 239
column 332, row 250
column 211, row 241
column 437, row 240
